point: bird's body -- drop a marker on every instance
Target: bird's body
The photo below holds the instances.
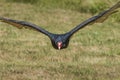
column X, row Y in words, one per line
column 61, row 41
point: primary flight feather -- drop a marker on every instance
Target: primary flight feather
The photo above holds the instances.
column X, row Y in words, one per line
column 61, row 41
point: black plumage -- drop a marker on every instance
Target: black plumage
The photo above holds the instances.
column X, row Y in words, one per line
column 61, row 41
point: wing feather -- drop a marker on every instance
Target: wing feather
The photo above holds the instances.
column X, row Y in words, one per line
column 24, row 24
column 101, row 17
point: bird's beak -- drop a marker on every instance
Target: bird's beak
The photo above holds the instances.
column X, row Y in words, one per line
column 59, row 48
column 59, row 45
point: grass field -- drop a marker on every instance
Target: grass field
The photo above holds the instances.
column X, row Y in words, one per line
column 93, row 53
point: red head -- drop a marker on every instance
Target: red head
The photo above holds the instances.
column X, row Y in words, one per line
column 59, row 44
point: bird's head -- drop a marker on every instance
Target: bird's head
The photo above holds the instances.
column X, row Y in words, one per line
column 59, row 45
column 60, row 41
column 62, row 44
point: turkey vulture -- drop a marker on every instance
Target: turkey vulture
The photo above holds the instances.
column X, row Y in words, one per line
column 61, row 41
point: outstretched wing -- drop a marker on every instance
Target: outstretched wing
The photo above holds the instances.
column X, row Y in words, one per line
column 24, row 24
column 96, row 19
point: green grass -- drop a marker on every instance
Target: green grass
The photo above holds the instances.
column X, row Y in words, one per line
column 90, row 6
column 93, row 53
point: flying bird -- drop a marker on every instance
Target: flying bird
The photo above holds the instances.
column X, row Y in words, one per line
column 61, row 41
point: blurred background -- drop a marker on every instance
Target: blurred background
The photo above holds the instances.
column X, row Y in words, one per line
column 91, row 6
column 93, row 52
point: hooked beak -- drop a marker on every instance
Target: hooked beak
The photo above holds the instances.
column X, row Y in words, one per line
column 59, row 44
